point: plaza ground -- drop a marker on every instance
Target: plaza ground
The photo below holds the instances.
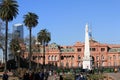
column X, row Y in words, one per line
column 111, row 76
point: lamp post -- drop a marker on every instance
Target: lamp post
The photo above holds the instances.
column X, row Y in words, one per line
column 18, row 58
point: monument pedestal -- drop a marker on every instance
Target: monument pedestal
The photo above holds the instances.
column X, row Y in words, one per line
column 87, row 63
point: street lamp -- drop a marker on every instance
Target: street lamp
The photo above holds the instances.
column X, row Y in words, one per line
column 18, row 58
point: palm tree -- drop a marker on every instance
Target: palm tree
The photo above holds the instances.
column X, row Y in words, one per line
column 2, row 37
column 15, row 49
column 8, row 11
column 30, row 20
column 44, row 37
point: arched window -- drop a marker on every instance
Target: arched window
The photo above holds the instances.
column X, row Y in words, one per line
column 56, row 64
column 109, row 64
column 102, row 63
column 48, row 57
column 67, row 64
column 72, row 64
column 102, row 57
column 55, row 58
column 114, row 57
column 97, row 57
column 79, row 57
column 72, row 57
column 79, row 64
column 119, row 57
column 52, row 58
column 62, row 64
column 39, row 57
column 115, row 64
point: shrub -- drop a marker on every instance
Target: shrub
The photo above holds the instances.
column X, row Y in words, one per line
column 95, row 77
column 69, row 77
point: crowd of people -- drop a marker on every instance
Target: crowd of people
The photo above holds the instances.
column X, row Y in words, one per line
column 35, row 75
column 81, row 77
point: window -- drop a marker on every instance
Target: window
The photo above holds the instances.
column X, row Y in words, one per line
column 52, row 58
column 119, row 57
column 55, row 64
column 17, row 33
column 48, row 57
column 115, row 64
column 92, row 49
column 62, row 64
column 108, row 57
column 102, row 63
column 79, row 64
column 55, row 58
column 109, row 64
column 39, row 57
column 102, row 49
column 79, row 50
column 72, row 57
column 79, row 57
column 72, row 64
column 62, row 57
column 114, row 57
column 34, row 57
column 67, row 64
column 102, row 57
column 97, row 58
column 97, row 64
column 38, row 50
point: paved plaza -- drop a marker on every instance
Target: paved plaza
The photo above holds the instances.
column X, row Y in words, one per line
column 111, row 76
column 114, row 76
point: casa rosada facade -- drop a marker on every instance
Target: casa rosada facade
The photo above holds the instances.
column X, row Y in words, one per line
column 103, row 55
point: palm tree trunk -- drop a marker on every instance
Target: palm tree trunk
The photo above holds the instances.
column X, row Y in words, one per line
column 30, row 49
column 43, row 55
column 6, row 39
column 3, row 55
column 60, row 59
column 38, row 58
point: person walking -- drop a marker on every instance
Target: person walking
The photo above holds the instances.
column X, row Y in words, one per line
column 5, row 76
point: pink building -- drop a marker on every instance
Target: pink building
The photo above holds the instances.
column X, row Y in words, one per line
column 103, row 55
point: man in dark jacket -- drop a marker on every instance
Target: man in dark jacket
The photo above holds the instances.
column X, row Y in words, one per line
column 5, row 76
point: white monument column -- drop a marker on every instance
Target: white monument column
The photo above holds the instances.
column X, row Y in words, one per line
column 87, row 64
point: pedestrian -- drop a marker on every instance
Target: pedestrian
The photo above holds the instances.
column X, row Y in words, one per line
column 55, row 76
column 61, row 77
column 31, row 75
column 5, row 76
column 50, row 73
column 26, row 76
column 46, row 74
column 36, row 76
column 41, row 74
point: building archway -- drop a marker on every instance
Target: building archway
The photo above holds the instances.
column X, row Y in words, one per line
column 93, row 61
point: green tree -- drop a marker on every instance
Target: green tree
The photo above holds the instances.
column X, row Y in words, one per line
column 30, row 20
column 15, row 48
column 44, row 37
column 8, row 11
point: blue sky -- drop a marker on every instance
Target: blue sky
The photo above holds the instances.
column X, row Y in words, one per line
column 66, row 19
